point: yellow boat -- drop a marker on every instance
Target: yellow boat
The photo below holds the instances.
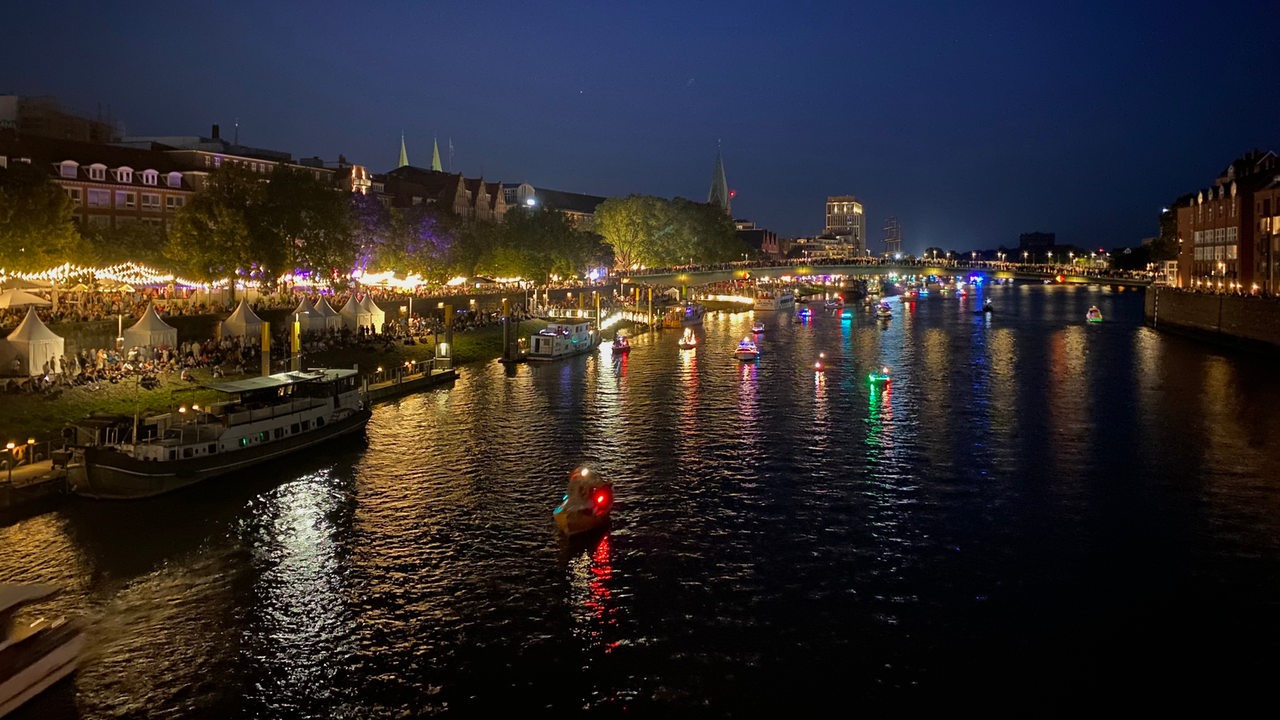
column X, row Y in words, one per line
column 586, row 505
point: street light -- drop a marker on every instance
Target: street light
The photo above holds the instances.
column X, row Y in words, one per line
column 9, row 448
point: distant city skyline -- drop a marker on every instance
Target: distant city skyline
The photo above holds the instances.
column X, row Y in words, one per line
column 969, row 125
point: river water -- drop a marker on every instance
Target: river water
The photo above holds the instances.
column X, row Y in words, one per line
column 1034, row 510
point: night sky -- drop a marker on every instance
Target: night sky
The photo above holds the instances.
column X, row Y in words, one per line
column 972, row 122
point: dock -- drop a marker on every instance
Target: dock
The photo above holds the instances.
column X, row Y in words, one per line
column 31, row 488
column 409, row 383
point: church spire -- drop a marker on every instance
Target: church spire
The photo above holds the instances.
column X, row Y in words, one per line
column 435, row 156
column 719, row 194
column 404, row 155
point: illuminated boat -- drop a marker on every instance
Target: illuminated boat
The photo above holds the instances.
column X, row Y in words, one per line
column 757, row 327
column 33, row 655
column 688, row 341
column 561, row 340
column 621, row 344
column 747, row 350
column 883, row 311
column 265, row 418
column 820, row 364
column 1094, row 315
column 774, row 300
column 690, row 313
column 586, row 505
column 880, row 377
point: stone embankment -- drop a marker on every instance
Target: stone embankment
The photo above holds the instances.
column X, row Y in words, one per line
column 1235, row 320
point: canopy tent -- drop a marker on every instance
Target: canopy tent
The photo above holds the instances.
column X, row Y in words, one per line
column 33, row 344
column 17, row 297
column 354, row 315
column 151, row 331
column 22, row 283
column 308, row 319
column 330, row 319
column 244, row 322
column 376, row 315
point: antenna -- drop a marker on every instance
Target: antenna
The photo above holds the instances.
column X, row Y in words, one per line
column 236, row 134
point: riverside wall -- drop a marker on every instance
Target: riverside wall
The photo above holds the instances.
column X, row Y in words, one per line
column 1234, row 320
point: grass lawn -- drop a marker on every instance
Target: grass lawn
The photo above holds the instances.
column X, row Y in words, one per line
column 27, row 415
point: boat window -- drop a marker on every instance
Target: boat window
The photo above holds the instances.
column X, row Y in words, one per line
column 306, row 424
column 262, row 436
column 293, row 429
column 213, row 448
column 319, row 422
column 173, row 454
column 279, row 433
column 186, row 452
column 244, row 442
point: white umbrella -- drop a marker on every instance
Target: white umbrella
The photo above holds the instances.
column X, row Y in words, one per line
column 14, row 297
column 23, row 284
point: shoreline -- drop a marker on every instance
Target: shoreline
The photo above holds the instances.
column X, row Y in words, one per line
column 40, row 417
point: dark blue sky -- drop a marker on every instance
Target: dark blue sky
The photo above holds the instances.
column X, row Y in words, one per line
column 971, row 122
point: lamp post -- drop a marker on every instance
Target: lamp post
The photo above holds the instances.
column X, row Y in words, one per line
column 9, row 449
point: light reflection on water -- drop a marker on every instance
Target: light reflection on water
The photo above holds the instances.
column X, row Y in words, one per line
column 1025, row 491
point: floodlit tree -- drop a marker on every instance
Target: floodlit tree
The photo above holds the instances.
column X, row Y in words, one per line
column 36, row 229
column 631, row 226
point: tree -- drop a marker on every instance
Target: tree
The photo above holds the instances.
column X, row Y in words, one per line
column 630, row 226
column 130, row 241
column 212, row 238
column 36, row 228
column 306, row 226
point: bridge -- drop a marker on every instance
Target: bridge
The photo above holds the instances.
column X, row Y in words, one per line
column 725, row 272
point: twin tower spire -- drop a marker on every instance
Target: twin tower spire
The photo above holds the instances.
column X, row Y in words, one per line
column 435, row 154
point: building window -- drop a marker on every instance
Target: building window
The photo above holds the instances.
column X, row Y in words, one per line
column 99, row 221
column 175, row 179
column 150, row 201
column 98, row 198
column 124, row 175
column 173, row 202
column 74, row 193
column 98, row 172
column 149, row 177
column 125, row 200
column 68, row 169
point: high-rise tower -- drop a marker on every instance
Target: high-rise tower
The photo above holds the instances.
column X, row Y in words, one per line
column 892, row 236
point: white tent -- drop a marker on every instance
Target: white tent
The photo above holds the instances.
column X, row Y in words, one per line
column 32, row 343
column 354, row 315
column 243, row 322
column 151, row 331
column 331, row 320
column 308, row 319
column 376, row 315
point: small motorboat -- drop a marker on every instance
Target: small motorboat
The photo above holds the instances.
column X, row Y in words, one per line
column 747, row 350
column 757, row 327
column 879, row 377
column 1094, row 315
column 883, row 311
column 986, row 307
column 820, row 364
column 587, row 503
column 33, row 655
column 621, row 344
column 688, row 341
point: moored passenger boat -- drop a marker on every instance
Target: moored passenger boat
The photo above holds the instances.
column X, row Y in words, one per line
column 33, row 655
column 561, row 340
column 266, row 417
column 777, row 299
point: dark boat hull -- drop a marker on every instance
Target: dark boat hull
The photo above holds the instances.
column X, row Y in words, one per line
column 105, row 473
